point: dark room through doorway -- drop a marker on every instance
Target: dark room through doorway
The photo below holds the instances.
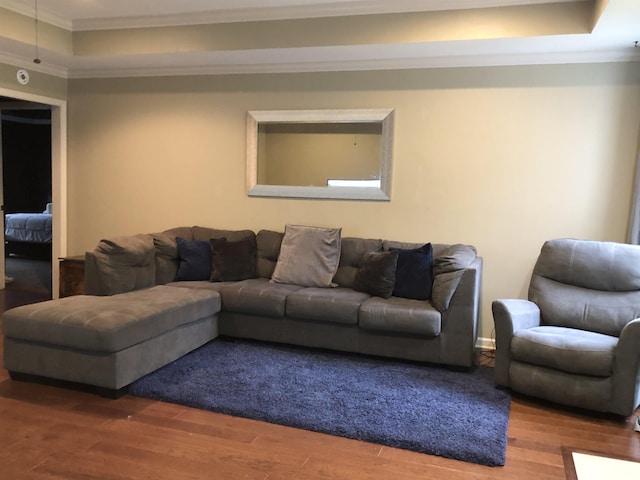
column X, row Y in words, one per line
column 25, row 133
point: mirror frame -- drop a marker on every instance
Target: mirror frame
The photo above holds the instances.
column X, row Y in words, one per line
column 379, row 115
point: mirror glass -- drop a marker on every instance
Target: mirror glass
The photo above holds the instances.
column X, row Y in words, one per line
column 342, row 154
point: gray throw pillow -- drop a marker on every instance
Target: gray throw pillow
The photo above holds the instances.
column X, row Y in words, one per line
column 309, row 256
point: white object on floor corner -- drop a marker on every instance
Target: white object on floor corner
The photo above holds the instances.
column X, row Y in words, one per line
column 637, row 425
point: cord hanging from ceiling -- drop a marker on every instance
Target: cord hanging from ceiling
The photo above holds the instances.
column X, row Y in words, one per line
column 36, row 60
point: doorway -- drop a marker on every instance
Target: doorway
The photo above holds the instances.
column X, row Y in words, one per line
column 25, row 134
column 57, row 130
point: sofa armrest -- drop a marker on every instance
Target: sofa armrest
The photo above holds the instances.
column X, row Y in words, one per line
column 626, row 370
column 509, row 316
column 460, row 320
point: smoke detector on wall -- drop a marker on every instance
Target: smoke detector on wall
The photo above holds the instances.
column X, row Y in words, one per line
column 22, row 76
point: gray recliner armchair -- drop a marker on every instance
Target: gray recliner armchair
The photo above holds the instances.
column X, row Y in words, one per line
column 576, row 340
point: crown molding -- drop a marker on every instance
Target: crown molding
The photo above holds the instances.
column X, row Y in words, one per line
column 445, row 61
column 19, row 61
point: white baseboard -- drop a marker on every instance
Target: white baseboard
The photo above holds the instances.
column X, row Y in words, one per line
column 484, row 343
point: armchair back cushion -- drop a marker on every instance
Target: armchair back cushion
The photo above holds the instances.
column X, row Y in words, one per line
column 587, row 285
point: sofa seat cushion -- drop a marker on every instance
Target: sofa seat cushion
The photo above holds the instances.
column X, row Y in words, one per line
column 257, row 296
column 109, row 324
column 201, row 284
column 569, row 350
column 400, row 315
column 338, row 305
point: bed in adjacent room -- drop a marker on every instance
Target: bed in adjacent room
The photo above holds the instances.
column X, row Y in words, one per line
column 25, row 230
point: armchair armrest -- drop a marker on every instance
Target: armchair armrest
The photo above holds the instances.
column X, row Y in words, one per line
column 626, row 370
column 509, row 316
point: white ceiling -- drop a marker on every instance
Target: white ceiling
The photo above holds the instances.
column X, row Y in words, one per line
column 93, row 14
column 612, row 40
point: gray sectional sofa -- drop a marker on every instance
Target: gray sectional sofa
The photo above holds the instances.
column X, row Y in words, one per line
column 135, row 317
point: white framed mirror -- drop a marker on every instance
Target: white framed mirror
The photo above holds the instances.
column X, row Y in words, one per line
column 331, row 154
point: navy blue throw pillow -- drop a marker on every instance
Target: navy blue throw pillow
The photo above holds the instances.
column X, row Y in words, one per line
column 414, row 273
column 195, row 260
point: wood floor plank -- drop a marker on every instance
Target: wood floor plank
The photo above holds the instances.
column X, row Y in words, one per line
column 186, row 444
column 287, row 437
column 158, row 462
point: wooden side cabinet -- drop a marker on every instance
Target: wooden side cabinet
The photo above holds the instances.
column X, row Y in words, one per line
column 71, row 276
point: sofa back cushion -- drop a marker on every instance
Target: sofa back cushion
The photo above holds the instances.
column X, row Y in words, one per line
column 437, row 249
column 120, row 264
column 167, row 260
column 205, row 233
column 352, row 252
column 268, row 243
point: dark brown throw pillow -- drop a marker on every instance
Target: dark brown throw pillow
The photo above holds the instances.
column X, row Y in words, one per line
column 232, row 261
column 377, row 273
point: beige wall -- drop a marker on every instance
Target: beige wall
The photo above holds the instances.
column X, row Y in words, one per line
column 501, row 158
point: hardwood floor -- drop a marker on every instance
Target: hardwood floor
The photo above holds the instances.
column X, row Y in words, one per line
column 49, row 432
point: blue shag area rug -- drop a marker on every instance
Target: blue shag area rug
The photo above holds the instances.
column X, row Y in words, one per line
column 428, row 409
